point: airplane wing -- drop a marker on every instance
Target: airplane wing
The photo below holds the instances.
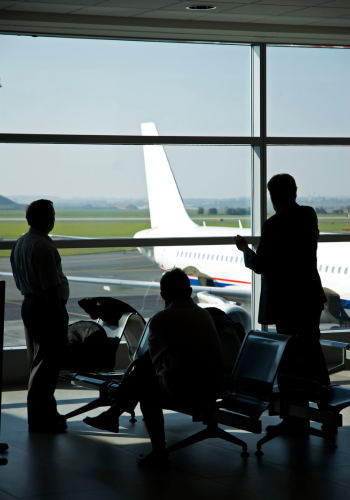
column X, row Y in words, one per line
column 62, row 236
column 235, row 293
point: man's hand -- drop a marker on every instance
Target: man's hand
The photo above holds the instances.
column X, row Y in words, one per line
column 240, row 242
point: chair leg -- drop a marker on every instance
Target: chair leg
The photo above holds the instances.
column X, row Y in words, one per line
column 196, row 438
column 212, row 431
column 268, row 437
column 273, row 431
column 294, row 429
column 96, row 403
column 326, row 435
column 220, row 433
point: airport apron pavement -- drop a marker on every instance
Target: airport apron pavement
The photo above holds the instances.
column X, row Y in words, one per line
column 129, row 265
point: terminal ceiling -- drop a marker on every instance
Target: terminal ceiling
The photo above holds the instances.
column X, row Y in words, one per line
column 271, row 21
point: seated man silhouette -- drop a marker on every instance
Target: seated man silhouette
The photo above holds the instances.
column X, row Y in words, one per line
column 183, row 366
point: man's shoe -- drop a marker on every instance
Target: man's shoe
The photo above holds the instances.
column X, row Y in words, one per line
column 154, row 459
column 103, row 422
column 48, row 428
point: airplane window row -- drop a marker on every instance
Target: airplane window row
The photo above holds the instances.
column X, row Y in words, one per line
column 333, row 269
column 223, row 259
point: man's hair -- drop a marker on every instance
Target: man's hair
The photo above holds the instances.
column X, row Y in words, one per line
column 39, row 212
column 282, row 188
column 175, row 284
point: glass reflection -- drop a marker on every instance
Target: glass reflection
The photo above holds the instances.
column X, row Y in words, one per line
column 133, row 277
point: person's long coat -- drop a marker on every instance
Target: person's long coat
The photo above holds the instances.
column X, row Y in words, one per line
column 286, row 257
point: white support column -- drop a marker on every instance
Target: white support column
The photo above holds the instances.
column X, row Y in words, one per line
column 258, row 172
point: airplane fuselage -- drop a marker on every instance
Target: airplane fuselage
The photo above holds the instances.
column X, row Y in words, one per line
column 225, row 263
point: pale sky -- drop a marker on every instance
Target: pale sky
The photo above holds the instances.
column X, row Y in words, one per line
column 73, row 86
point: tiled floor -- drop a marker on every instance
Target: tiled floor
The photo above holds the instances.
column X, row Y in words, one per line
column 86, row 464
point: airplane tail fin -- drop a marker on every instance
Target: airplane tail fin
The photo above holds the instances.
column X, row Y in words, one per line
column 240, row 225
column 165, row 202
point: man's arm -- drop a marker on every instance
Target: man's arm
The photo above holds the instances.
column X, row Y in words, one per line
column 257, row 262
column 46, row 268
column 156, row 343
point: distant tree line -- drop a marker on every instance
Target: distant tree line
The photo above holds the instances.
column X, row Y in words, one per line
column 321, row 210
column 238, row 211
column 228, row 211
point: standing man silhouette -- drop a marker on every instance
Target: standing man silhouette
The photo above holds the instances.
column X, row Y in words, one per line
column 292, row 296
column 37, row 271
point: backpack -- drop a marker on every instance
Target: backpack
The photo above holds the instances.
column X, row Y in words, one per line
column 231, row 336
column 89, row 349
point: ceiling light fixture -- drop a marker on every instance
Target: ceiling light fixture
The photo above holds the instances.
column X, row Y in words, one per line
column 201, row 7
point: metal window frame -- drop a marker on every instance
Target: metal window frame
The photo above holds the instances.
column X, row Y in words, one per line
column 258, row 142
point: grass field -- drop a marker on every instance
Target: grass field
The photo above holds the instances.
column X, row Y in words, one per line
column 105, row 229
column 13, row 230
column 81, row 213
column 87, row 213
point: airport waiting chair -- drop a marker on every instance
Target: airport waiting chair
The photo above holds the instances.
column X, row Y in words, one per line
column 135, row 331
column 130, row 327
column 250, row 394
column 345, row 353
column 296, row 390
column 291, row 403
column 251, row 390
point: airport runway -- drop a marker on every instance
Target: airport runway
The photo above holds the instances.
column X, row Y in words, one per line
column 129, row 266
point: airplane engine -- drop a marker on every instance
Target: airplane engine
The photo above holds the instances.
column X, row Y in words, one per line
column 147, row 252
column 334, row 312
column 236, row 313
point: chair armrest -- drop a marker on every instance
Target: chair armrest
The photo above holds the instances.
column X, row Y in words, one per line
column 333, row 343
column 345, row 353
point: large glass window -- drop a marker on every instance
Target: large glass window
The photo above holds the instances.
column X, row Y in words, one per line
column 131, row 191
column 76, row 86
column 210, row 184
column 333, row 262
column 307, row 92
column 132, row 276
column 321, row 174
column 118, row 191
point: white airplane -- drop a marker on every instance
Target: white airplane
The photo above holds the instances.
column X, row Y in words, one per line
column 217, row 273
column 221, row 266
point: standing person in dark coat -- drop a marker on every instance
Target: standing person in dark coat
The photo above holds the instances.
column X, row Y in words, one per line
column 37, row 271
column 291, row 297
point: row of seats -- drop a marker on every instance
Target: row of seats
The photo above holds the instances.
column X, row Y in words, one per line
column 252, row 389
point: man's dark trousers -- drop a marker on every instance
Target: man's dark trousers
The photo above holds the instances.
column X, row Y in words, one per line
column 46, row 340
column 307, row 325
column 142, row 385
